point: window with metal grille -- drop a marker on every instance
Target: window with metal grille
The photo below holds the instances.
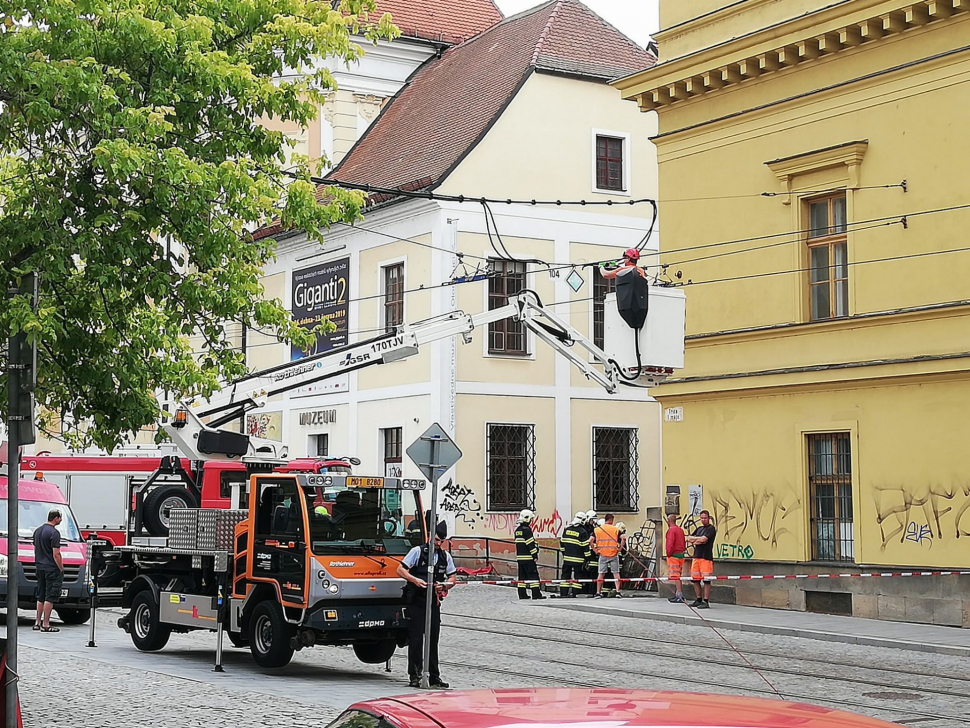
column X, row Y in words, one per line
column 828, row 258
column 511, row 467
column 320, row 446
column 609, row 163
column 505, row 336
column 616, row 473
column 601, row 287
column 393, row 296
column 830, row 489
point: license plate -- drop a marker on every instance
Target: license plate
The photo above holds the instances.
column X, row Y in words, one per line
column 63, row 593
column 354, row 482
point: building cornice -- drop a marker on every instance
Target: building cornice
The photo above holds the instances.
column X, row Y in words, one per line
column 760, row 54
column 849, row 155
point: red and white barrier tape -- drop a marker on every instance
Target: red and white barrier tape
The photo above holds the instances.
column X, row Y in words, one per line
column 739, row 577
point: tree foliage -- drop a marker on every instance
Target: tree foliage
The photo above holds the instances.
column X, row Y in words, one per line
column 132, row 165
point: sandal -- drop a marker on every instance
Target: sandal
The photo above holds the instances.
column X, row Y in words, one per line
column 36, row 628
column 50, row 629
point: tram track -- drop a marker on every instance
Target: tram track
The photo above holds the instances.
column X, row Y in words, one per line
column 720, row 648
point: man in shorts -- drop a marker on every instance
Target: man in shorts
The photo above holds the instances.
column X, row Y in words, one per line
column 676, row 548
column 50, row 570
column 702, row 565
column 606, row 542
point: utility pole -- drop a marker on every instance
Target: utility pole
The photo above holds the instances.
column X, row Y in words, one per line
column 21, row 380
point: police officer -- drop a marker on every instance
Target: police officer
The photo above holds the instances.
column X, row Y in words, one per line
column 575, row 553
column 527, row 556
column 415, row 570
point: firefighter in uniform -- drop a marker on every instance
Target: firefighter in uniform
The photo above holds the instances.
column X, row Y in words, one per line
column 589, row 568
column 414, row 570
column 527, row 557
column 575, row 553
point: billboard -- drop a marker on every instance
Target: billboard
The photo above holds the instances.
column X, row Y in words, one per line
column 322, row 291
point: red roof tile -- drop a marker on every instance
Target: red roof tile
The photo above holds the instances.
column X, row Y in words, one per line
column 449, row 104
column 451, row 21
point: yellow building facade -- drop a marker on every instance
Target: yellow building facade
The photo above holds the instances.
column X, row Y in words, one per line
column 812, row 160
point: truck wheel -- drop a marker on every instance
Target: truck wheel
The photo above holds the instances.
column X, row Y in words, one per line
column 238, row 639
column 269, row 635
column 147, row 633
column 73, row 616
column 375, row 653
column 159, row 502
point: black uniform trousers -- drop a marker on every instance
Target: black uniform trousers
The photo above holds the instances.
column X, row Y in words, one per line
column 416, row 613
column 572, row 572
column 529, row 579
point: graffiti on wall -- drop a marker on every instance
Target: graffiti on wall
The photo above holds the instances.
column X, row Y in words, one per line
column 922, row 514
column 549, row 527
column 460, row 500
column 754, row 516
column 733, row 551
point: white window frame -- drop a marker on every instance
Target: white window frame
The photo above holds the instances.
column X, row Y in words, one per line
column 530, row 347
column 381, row 318
column 311, row 443
column 627, row 153
column 381, row 443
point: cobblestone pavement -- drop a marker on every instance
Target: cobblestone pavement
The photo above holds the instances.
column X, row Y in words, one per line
column 490, row 640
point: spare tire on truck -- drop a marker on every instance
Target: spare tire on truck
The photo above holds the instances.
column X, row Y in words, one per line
column 160, row 502
column 375, row 653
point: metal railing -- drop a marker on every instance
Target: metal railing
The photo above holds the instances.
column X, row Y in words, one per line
column 499, row 554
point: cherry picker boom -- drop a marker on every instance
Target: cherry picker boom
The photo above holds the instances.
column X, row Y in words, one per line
column 207, row 441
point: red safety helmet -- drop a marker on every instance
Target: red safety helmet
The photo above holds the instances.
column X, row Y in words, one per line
column 632, row 254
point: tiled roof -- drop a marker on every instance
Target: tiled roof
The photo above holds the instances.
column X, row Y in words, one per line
column 451, row 21
column 451, row 102
column 578, row 41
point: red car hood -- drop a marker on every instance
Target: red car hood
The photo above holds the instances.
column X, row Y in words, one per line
column 610, row 708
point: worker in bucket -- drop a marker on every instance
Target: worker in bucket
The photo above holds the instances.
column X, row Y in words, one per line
column 527, row 556
column 630, row 263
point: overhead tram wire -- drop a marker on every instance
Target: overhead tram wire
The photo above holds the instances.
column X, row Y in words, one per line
column 888, row 259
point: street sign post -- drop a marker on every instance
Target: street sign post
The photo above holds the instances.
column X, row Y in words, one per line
column 434, row 453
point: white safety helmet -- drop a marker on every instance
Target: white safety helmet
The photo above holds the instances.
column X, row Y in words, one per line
column 526, row 515
column 579, row 517
column 621, row 527
column 591, row 516
column 601, row 521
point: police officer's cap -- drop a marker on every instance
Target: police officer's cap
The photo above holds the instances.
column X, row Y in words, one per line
column 441, row 531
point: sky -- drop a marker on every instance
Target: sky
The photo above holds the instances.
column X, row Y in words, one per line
column 636, row 18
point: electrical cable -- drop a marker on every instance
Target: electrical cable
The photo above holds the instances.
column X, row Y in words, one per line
column 827, row 267
column 773, row 245
column 807, row 231
column 800, row 193
column 397, row 192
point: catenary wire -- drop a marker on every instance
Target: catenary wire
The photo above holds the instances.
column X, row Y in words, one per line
column 828, row 267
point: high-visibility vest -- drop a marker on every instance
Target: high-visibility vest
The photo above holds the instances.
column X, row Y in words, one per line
column 607, row 539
